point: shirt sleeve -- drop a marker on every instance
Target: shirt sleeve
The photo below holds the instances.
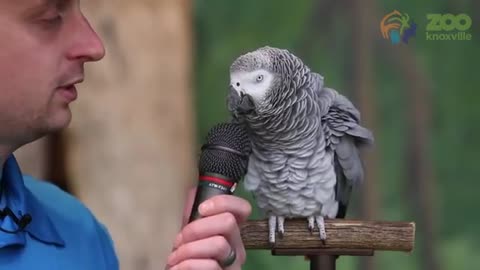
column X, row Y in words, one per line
column 107, row 246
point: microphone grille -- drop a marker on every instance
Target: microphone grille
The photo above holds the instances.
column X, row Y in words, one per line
column 226, row 151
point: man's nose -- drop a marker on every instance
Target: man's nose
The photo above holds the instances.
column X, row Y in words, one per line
column 87, row 45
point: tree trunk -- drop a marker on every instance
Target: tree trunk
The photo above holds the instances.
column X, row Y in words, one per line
column 130, row 145
column 421, row 183
column 364, row 91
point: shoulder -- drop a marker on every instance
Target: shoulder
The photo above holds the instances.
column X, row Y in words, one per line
column 72, row 217
column 58, row 203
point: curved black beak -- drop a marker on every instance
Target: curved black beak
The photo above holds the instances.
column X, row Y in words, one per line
column 241, row 103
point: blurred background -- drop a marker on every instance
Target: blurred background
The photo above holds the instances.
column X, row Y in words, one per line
column 130, row 152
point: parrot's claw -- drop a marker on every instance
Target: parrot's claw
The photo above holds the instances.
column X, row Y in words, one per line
column 311, row 224
column 281, row 229
column 272, row 224
column 321, row 227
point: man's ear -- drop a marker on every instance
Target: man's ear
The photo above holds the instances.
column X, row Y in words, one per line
column 187, row 209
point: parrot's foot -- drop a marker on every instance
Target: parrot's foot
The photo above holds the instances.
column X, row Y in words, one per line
column 273, row 222
column 281, row 229
column 321, row 226
column 311, row 224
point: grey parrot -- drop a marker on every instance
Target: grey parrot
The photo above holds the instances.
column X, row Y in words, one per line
column 305, row 139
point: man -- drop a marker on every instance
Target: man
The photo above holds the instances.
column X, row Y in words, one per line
column 44, row 45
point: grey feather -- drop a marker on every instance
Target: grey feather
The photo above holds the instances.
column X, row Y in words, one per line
column 305, row 139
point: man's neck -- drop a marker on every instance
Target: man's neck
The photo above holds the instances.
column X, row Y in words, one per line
column 3, row 157
column 5, row 152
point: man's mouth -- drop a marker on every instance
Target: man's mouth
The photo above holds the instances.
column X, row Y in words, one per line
column 69, row 91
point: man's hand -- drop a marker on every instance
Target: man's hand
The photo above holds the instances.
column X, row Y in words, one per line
column 205, row 242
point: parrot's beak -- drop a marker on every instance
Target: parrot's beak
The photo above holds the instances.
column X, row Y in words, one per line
column 233, row 100
column 240, row 104
column 246, row 104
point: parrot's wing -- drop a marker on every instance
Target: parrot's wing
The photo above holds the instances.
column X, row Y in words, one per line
column 344, row 135
column 348, row 170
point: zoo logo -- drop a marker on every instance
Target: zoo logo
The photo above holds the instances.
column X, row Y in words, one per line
column 397, row 26
column 447, row 23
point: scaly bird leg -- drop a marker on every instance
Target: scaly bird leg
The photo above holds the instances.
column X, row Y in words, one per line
column 311, row 224
column 281, row 230
column 321, row 227
column 272, row 224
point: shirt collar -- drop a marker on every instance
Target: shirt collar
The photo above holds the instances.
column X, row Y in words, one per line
column 20, row 200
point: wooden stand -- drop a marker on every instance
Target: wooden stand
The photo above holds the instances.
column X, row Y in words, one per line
column 344, row 237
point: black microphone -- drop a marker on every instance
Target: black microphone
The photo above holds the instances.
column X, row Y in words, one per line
column 223, row 162
column 21, row 222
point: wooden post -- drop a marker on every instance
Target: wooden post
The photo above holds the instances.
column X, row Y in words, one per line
column 344, row 237
column 130, row 145
column 323, row 262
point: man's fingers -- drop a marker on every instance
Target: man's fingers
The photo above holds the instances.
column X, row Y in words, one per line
column 187, row 210
column 224, row 224
column 220, row 218
column 197, row 264
column 239, row 207
column 215, row 247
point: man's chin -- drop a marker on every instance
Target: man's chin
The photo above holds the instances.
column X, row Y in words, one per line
column 59, row 121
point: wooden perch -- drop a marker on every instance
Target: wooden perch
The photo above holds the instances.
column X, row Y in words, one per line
column 344, row 237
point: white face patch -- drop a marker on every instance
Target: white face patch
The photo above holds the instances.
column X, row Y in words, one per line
column 255, row 84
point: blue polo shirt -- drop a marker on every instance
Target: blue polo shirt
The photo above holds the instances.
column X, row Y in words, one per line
column 62, row 235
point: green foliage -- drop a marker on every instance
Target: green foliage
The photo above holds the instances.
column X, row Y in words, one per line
column 226, row 29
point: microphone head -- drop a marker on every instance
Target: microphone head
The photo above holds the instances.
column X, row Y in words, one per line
column 226, row 151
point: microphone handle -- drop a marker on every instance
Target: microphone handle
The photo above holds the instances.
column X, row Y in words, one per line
column 210, row 185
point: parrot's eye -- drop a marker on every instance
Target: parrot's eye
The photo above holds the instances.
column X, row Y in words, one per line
column 259, row 78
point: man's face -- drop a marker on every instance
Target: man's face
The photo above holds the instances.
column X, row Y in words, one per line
column 44, row 45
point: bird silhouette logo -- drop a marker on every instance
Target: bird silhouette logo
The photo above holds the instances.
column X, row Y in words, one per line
column 397, row 27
